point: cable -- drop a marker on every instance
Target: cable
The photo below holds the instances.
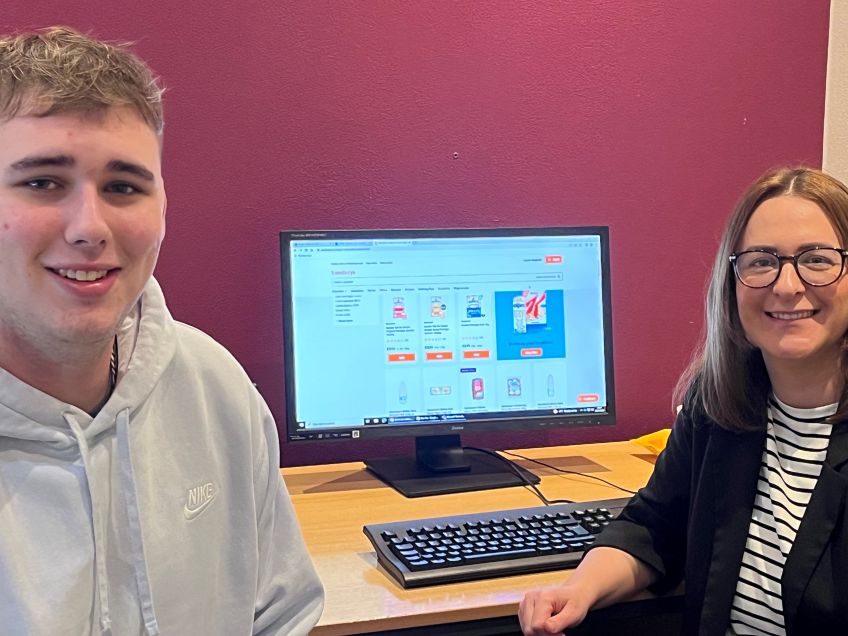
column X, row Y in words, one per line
column 571, row 472
column 528, row 484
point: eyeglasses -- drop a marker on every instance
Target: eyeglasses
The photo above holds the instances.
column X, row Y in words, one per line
column 817, row 266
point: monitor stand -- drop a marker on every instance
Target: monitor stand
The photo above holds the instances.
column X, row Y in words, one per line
column 442, row 466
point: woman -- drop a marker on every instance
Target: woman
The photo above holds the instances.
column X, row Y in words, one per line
column 747, row 502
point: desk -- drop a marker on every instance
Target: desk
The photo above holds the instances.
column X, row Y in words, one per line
column 334, row 501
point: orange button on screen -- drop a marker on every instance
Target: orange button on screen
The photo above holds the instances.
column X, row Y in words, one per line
column 440, row 355
column 588, row 397
column 401, row 357
column 476, row 354
column 533, row 352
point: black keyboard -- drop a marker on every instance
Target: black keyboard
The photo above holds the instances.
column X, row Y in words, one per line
column 489, row 544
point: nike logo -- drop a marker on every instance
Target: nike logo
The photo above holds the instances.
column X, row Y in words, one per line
column 199, row 499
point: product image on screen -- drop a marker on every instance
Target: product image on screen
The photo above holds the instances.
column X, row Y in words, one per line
column 433, row 333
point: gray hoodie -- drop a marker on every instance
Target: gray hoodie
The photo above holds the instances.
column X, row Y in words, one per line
column 164, row 514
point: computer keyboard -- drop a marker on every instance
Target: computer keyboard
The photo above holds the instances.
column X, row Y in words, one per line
column 489, row 544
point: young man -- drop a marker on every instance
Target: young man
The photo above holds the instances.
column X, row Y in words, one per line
column 139, row 482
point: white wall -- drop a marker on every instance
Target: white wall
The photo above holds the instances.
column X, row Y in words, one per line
column 835, row 152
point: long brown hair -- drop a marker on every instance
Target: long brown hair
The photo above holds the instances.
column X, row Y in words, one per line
column 727, row 377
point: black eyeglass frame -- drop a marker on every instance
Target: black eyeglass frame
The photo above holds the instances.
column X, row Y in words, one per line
column 794, row 259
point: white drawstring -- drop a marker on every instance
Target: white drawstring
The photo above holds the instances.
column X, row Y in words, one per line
column 97, row 525
column 139, row 563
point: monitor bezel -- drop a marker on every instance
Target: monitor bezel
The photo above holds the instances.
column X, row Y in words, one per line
column 470, row 427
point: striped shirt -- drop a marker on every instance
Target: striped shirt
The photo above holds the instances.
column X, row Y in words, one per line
column 796, row 445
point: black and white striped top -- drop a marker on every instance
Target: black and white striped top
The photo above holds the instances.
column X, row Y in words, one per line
column 796, row 445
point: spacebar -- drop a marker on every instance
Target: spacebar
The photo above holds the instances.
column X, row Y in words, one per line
column 481, row 557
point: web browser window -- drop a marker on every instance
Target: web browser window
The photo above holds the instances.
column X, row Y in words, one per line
column 405, row 331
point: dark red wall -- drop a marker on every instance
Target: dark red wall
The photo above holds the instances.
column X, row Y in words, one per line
column 647, row 116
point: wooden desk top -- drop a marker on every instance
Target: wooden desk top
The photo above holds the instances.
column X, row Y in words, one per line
column 334, row 501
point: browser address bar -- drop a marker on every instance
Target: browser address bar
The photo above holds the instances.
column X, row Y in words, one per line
column 453, row 279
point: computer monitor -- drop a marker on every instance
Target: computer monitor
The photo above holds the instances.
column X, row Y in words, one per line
column 429, row 334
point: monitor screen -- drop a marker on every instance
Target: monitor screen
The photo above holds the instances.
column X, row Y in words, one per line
column 433, row 333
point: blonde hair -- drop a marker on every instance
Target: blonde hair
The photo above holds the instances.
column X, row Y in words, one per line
column 61, row 70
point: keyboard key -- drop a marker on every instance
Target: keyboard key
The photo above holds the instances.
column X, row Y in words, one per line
column 506, row 554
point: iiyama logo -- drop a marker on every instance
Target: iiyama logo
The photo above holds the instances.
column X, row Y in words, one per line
column 198, row 499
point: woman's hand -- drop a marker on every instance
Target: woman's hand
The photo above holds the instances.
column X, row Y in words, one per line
column 550, row 611
column 605, row 576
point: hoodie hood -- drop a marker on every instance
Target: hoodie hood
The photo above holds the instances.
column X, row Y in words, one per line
column 146, row 346
column 180, row 467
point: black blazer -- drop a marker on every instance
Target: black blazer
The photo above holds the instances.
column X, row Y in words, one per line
column 691, row 522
